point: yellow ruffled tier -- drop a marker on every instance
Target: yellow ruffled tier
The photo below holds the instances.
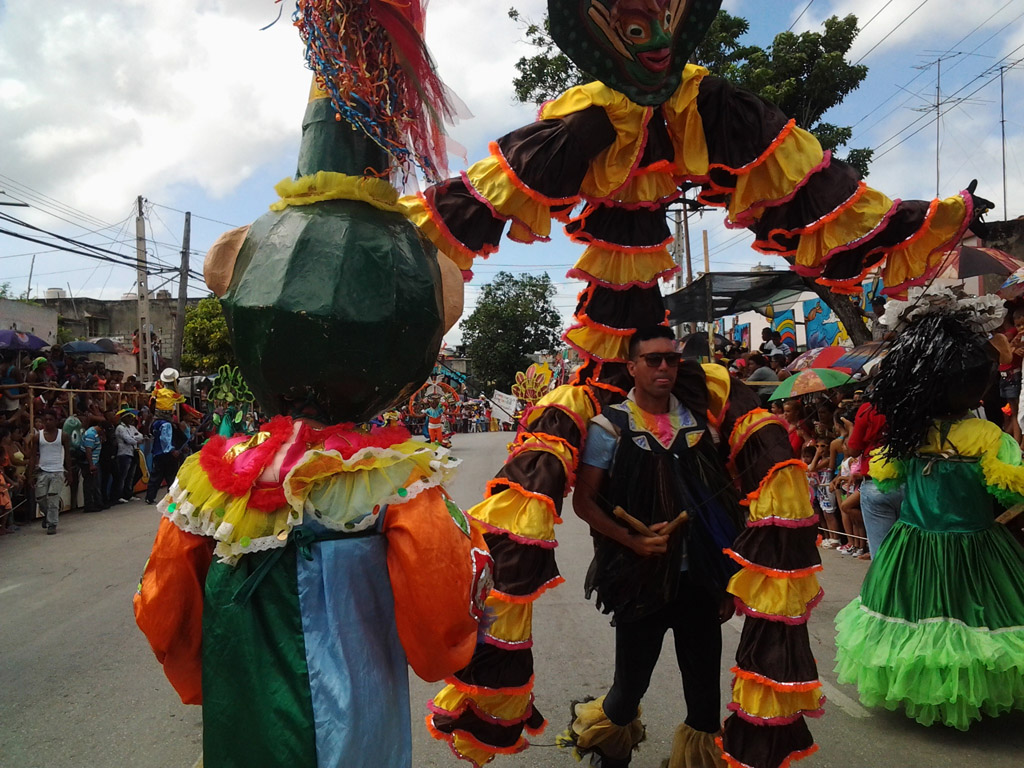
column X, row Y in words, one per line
column 610, row 169
column 194, row 505
column 767, row 703
column 329, row 185
column 749, row 425
column 340, row 488
column 719, row 384
column 850, row 225
column 592, row 730
column 513, row 622
column 508, row 708
column 344, row 494
column 782, row 494
column 694, row 749
column 922, row 254
column 526, row 517
column 419, row 212
column 597, row 344
column 610, row 172
column 685, row 126
column 775, row 176
column 571, row 398
column 566, row 453
column 491, row 181
column 623, row 268
column 779, row 598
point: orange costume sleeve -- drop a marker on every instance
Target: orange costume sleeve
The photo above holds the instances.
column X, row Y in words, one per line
column 440, row 574
column 169, row 606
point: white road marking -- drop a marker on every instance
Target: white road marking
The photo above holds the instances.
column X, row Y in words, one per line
column 9, row 588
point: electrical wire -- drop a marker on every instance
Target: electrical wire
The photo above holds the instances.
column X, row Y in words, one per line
column 891, row 31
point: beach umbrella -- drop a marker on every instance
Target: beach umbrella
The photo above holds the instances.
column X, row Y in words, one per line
column 822, row 357
column 968, row 261
column 19, row 340
column 810, row 380
column 862, row 356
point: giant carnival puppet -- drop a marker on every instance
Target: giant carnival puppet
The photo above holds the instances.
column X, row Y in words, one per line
column 271, row 594
column 606, row 159
column 297, row 571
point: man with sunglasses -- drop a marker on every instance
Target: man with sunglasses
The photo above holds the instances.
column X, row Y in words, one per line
column 655, row 458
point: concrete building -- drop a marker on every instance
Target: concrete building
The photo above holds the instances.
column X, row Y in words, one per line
column 116, row 319
column 29, row 318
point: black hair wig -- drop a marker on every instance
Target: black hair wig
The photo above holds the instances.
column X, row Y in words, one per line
column 938, row 368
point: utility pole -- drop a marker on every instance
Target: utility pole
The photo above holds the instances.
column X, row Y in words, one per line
column 1002, row 128
column 710, row 294
column 145, row 344
column 179, row 320
column 32, row 266
column 938, row 118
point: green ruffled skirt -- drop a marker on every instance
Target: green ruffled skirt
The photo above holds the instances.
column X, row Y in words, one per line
column 939, row 626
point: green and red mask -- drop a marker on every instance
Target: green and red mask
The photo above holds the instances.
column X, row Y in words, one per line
column 637, row 47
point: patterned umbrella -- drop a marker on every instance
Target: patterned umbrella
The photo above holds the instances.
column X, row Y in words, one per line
column 810, row 380
column 19, row 340
column 968, row 261
column 861, row 356
column 1013, row 287
column 822, row 357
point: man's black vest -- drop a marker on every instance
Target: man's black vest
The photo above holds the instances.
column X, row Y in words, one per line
column 654, row 484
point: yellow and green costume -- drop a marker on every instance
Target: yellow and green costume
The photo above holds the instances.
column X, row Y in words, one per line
column 938, row 628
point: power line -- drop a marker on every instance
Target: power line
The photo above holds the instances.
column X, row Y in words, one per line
column 809, row 4
column 877, row 13
column 891, row 31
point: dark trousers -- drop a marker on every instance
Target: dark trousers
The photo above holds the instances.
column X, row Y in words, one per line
column 124, row 481
column 693, row 619
column 92, row 498
column 165, row 467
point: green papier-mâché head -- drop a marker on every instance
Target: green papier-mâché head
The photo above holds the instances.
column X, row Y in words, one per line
column 637, row 47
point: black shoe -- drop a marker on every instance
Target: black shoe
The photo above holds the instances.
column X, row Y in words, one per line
column 51, row 530
column 44, row 524
column 151, row 501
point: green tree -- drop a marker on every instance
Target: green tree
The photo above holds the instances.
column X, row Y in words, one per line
column 515, row 316
column 207, row 344
column 6, row 292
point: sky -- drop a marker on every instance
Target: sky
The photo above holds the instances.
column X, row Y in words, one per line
column 189, row 104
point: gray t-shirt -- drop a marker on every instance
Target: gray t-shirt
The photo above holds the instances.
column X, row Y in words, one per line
column 764, row 373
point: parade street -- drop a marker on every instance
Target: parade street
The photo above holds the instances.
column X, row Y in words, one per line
column 81, row 688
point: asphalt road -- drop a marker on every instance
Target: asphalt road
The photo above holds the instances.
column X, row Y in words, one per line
column 80, row 688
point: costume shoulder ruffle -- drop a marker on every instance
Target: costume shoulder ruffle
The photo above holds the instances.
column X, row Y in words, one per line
column 341, row 479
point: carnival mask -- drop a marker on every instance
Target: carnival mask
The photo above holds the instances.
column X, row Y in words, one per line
column 637, row 47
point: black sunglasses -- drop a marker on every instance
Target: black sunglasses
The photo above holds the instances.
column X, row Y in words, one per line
column 655, row 359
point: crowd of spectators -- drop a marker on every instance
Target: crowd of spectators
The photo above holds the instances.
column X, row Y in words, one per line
column 106, row 416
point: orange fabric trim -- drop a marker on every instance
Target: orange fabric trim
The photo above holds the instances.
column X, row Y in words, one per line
column 769, row 150
column 768, row 476
column 536, row 731
column 586, row 320
column 444, row 232
column 519, row 184
column 530, row 598
column 549, row 503
column 858, row 193
column 569, row 465
column 534, row 413
column 480, row 690
column 583, row 238
column 932, row 208
column 519, row 746
column 775, row 573
column 775, row 684
column 792, row 757
column 750, row 428
column 527, row 438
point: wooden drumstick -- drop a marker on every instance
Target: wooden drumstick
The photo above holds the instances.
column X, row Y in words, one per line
column 642, row 529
